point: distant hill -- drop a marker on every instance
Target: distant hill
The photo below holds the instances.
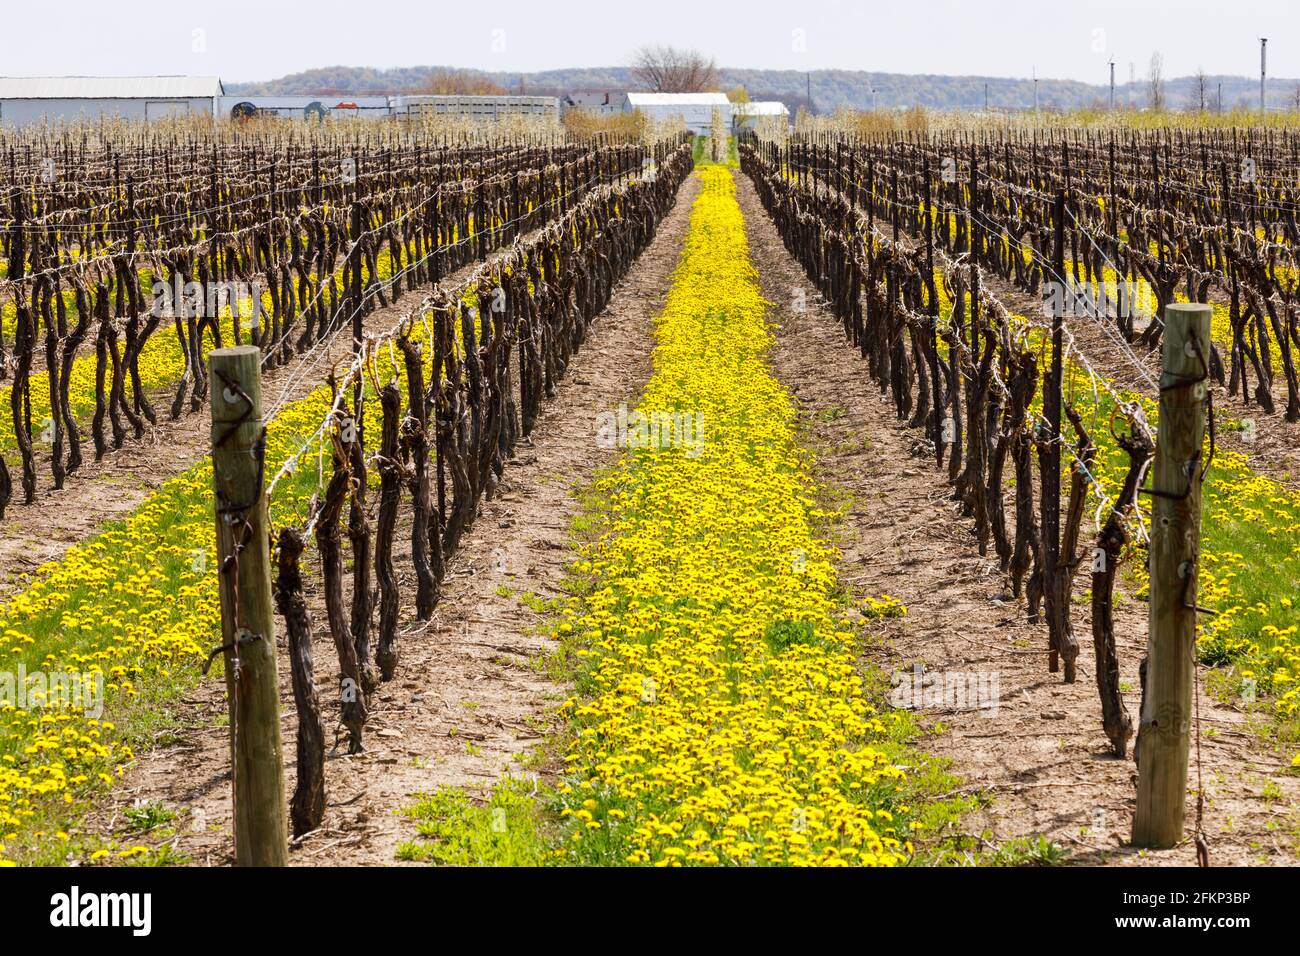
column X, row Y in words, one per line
column 831, row 89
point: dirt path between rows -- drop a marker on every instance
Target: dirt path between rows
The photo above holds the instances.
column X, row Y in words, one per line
column 1040, row 758
column 471, row 694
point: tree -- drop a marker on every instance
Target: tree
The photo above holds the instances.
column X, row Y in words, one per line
column 1156, row 82
column 718, row 136
column 738, row 94
column 666, row 69
column 1200, row 90
column 445, row 82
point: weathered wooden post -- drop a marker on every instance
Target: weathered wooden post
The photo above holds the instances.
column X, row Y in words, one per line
column 247, row 621
column 1175, row 545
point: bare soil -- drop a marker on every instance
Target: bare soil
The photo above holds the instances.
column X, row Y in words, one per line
column 472, row 694
column 1039, row 761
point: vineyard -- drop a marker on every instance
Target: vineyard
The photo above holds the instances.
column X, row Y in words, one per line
column 926, row 302
column 515, row 497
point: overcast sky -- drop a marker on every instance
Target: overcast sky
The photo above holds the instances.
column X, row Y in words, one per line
column 262, row 39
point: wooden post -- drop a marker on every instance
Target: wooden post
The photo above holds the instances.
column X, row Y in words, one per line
column 247, row 615
column 1050, row 505
column 1175, row 545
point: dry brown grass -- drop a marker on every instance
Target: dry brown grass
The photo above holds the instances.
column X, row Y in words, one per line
column 633, row 127
column 920, row 120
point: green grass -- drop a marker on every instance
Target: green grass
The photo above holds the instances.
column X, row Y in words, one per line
column 453, row 830
column 781, row 635
column 148, row 816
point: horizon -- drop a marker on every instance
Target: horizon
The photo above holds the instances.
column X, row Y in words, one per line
column 1074, row 43
column 726, row 67
column 226, row 81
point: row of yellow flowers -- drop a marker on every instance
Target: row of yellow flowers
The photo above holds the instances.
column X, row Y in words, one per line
column 720, row 717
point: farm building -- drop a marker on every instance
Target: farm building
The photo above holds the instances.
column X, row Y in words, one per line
column 696, row 109
column 746, row 115
column 304, row 107
column 475, row 107
column 35, row 99
column 604, row 103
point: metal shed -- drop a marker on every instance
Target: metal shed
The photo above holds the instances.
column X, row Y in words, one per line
column 476, row 107
column 35, row 99
column 696, row 109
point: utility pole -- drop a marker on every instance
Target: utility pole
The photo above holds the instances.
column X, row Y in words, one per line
column 1263, row 69
column 808, row 77
column 1112, row 84
column 1164, row 731
column 1035, row 89
column 986, row 97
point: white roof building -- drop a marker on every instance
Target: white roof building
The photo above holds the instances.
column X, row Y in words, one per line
column 762, row 108
column 34, row 99
column 695, row 109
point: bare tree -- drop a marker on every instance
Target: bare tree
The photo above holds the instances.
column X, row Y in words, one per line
column 1295, row 99
column 1156, row 82
column 1200, row 90
column 460, row 83
column 666, row 69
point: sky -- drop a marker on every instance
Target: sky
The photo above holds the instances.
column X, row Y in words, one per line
column 263, row 39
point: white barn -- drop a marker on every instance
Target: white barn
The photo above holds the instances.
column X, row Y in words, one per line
column 54, row 99
column 696, row 109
